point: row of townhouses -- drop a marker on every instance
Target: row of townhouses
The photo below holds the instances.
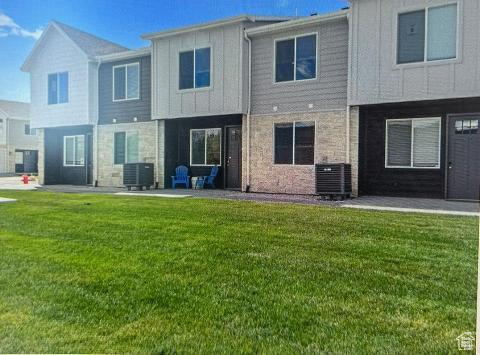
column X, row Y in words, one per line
column 390, row 87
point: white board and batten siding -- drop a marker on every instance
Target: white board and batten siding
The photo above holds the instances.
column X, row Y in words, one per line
column 375, row 76
column 58, row 54
column 225, row 94
column 328, row 91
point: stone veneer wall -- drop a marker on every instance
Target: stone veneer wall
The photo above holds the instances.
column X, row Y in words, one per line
column 109, row 174
column 330, row 146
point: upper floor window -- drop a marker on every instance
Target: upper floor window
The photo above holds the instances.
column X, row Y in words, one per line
column 58, row 88
column 296, row 58
column 413, row 143
column 126, row 82
column 294, row 143
column 427, row 35
column 194, row 69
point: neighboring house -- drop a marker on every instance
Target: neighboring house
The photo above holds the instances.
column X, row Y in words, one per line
column 299, row 114
column 63, row 69
column 415, row 77
column 126, row 132
column 199, row 94
column 18, row 142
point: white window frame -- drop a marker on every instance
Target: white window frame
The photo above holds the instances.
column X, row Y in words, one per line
column 412, row 120
column 294, row 58
column 58, row 87
column 137, row 64
column 74, row 149
column 127, row 133
column 425, row 49
column 293, row 145
column 205, row 155
column 194, row 67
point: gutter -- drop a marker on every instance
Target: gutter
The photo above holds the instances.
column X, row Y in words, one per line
column 249, row 107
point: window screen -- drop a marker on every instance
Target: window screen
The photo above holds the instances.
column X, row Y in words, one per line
column 411, row 37
column 442, row 32
column 426, row 143
column 202, row 68
column 284, row 143
column 52, row 89
column 133, row 81
column 119, row 87
column 119, row 148
column 306, row 59
column 197, row 147
column 399, row 140
column 213, row 147
column 304, row 143
column 62, row 88
column 132, row 147
column 285, row 60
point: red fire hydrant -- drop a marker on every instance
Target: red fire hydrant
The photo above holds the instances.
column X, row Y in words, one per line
column 25, row 179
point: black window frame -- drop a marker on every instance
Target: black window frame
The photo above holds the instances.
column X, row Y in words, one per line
column 194, row 73
column 295, row 147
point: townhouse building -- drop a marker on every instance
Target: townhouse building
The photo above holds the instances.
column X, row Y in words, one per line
column 63, row 69
column 414, row 74
column 18, row 142
column 199, row 93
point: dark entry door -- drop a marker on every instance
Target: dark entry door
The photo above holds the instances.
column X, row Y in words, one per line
column 234, row 157
column 89, row 158
column 463, row 162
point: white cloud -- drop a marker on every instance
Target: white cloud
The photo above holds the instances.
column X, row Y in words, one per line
column 283, row 3
column 8, row 27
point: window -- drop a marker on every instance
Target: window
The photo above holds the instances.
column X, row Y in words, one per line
column 126, row 82
column 296, row 58
column 125, row 147
column 466, row 126
column 413, row 143
column 58, row 88
column 74, row 150
column 427, row 35
column 194, row 69
column 205, row 146
column 294, row 143
column 27, row 129
column 18, row 157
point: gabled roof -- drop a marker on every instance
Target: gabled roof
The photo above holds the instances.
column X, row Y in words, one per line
column 15, row 109
column 216, row 23
column 90, row 45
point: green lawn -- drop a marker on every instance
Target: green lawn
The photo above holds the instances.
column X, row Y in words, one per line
column 98, row 273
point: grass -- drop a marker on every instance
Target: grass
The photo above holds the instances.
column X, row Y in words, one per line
column 98, row 273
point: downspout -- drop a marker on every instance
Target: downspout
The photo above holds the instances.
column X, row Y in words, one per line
column 7, row 147
column 249, row 106
column 347, row 135
column 96, row 126
column 157, row 160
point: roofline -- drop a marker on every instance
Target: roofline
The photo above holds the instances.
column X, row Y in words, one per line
column 124, row 55
column 212, row 24
column 293, row 24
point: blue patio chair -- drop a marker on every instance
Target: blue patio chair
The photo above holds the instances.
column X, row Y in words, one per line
column 181, row 176
column 210, row 180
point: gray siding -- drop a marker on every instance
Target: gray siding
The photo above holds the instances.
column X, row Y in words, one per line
column 328, row 91
column 375, row 76
column 225, row 95
column 124, row 111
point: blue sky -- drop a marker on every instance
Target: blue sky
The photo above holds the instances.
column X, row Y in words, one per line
column 121, row 21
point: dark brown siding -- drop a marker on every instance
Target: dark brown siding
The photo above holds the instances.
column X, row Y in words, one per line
column 124, row 111
column 374, row 178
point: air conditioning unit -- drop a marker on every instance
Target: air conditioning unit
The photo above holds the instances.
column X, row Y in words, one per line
column 333, row 180
column 138, row 175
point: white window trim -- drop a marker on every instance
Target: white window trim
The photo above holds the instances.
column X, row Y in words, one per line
column 74, row 150
column 425, row 50
column 194, row 88
column 58, row 88
column 127, row 133
column 205, row 157
column 294, row 58
column 293, row 145
column 126, row 81
column 411, row 166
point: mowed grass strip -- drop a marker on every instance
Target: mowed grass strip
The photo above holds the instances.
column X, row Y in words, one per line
column 102, row 273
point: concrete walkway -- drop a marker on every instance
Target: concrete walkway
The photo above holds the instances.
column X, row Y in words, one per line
column 399, row 204
column 16, row 183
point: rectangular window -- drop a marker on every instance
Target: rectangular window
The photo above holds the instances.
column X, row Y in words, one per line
column 126, row 82
column 296, row 58
column 27, row 129
column 294, row 143
column 413, row 143
column 194, row 68
column 58, row 88
column 205, row 146
column 427, row 35
column 125, row 147
column 74, row 150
